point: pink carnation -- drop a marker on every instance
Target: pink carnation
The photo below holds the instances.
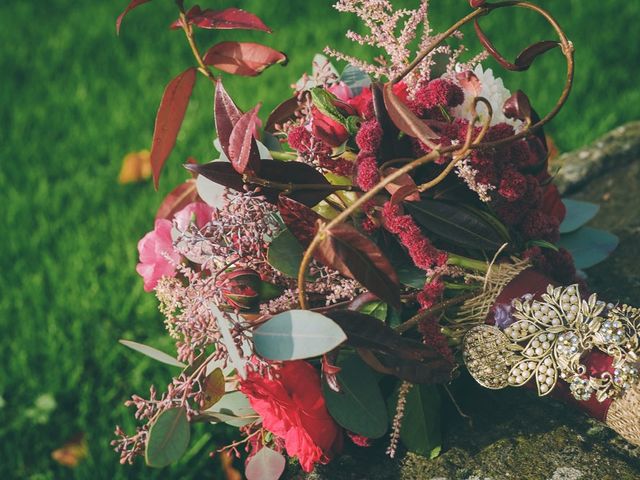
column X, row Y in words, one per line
column 154, row 248
column 292, row 407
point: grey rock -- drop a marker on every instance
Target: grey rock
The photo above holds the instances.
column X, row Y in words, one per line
column 614, row 149
column 514, row 434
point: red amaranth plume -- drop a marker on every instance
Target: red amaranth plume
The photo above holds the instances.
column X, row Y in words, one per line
column 513, row 185
column 367, row 175
column 299, row 139
column 439, row 93
column 424, row 255
column 369, row 136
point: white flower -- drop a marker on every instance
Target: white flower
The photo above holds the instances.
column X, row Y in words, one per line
column 492, row 89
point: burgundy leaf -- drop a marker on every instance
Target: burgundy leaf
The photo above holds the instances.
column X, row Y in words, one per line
column 300, row 219
column 226, row 115
column 477, row 3
column 405, row 119
column 330, row 370
column 284, row 173
column 177, row 199
column 402, row 188
column 243, row 149
column 529, row 54
column 387, row 352
column 517, row 106
column 173, row 106
column 220, row 172
column 228, row 19
column 283, row 112
column 243, row 58
column 133, row 4
column 523, row 60
column 352, row 254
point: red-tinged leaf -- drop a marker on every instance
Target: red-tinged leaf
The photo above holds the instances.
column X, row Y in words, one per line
column 285, row 173
column 477, row 3
column 173, row 106
column 133, row 4
column 405, row 119
column 402, row 188
column 384, row 350
column 283, row 112
column 517, row 106
column 177, row 199
column 529, row 54
column 226, row 115
column 243, row 58
column 267, row 464
column 356, row 256
column 300, row 219
column 523, row 60
column 330, row 370
column 228, row 19
column 243, row 149
column 73, row 452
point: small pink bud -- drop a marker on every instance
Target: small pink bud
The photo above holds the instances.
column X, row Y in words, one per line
column 240, row 288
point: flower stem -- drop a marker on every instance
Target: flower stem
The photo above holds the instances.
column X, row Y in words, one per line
column 468, row 263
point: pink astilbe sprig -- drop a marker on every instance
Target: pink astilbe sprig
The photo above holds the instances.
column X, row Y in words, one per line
column 393, row 31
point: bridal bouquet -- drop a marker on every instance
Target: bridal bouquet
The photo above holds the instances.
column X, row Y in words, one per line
column 339, row 263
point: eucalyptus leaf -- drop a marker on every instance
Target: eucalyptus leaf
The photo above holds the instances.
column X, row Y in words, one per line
column 152, row 353
column 356, row 79
column 359, row 406
column 578, row 214
column 297, row 334
column 589, row 246
column 168, row 438
column 267, row 464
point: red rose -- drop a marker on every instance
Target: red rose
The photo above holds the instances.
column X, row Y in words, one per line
column 292, row 407
column 328, row 130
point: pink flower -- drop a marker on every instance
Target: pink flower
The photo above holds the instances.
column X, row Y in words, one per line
column 341, row 90
column 292, row 407
column 154, row 248
column 198, row 210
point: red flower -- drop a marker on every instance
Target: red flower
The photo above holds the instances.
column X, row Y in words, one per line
column 292, row 407
column 363, row 103
column 328, row 130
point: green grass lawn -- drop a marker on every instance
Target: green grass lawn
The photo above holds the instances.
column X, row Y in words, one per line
column 74, row 99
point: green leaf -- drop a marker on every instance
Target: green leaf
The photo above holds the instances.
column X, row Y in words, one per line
column 285, row 254
column 168, row 438
column 268, row 291
column 152, row 353
column 267, row 464
column 542, row 244
column 356, row 79
column 589, row 246
column 359, row 406
column 411, row 276
column 421, row 430
column 323, row 101
column 578, row 213
column 456, row 224
column 376, row 309
column 297, row 334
